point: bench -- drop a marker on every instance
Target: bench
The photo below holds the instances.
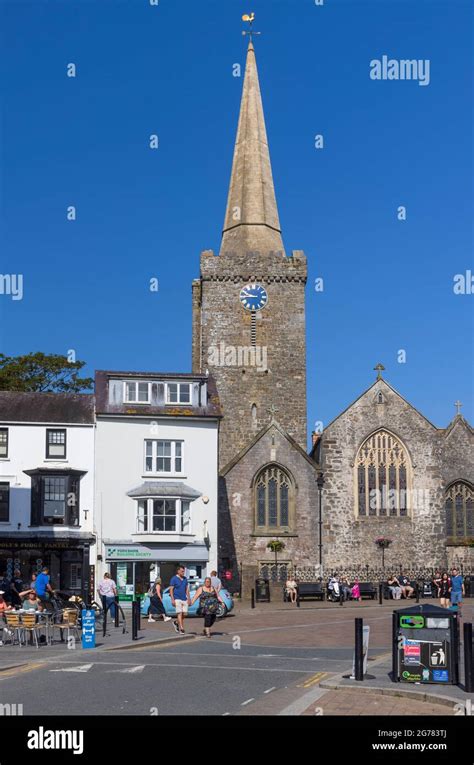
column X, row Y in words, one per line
column 367, row 590
column 310, row 590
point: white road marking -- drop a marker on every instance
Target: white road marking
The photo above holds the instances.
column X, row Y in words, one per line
column 137, row 668
column 80, row 668
column 269, row 690
column 246, row 702
column 226, row 714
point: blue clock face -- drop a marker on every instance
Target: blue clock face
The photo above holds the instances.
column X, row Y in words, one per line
column 253, row 297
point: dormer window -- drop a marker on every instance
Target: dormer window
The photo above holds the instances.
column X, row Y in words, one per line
column 178, row 393
column 137, row 392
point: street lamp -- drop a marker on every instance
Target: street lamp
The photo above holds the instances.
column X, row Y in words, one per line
column 320, row 483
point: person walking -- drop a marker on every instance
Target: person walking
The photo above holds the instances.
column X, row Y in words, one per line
column 216, row 582
column 156, row 603
column 179, row 593
column 443, row 590
column 107, row 590
column 209, row 604
column 356, row 591
column 456, row 590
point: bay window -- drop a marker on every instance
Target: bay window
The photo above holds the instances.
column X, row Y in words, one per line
column 163, row 515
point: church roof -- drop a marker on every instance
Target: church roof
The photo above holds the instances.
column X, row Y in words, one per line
column 380, row 381
column 251, row 220
column 272, row 424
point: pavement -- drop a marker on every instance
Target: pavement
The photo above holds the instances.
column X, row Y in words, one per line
column 275, row 659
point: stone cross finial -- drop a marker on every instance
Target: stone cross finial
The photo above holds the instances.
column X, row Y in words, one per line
column 458, row 406
column 379, row 368
column 272, row 409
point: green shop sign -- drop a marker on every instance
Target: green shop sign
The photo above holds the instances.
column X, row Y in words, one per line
column 136, row 552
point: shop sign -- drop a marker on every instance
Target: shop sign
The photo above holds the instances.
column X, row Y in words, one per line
column 133, row 552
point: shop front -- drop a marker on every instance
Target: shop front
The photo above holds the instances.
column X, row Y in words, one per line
column 135, row 567
column 67, row 559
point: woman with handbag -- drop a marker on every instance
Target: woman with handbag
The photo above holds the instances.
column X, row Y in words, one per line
column 156, row 603
column 209, row 604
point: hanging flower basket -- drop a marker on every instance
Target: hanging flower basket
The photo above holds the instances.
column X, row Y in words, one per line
column 383, row 542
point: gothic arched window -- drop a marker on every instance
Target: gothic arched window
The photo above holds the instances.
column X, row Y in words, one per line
column 459, row 506
column 382, row 477
column 274, row 500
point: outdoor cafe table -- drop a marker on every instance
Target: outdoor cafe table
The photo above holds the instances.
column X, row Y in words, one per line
column 45, row 617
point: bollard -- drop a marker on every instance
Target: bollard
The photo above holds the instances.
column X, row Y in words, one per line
column 394, row 647
column 341, row 596
column 134, row 621
column 252, row 599
column 359, row 647
column 116, row 611
column 468, row 660
column 417, row 592
column 139, row 614
column 298, row 600
column 381, row 593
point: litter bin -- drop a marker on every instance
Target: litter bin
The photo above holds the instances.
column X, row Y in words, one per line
column 262, row 590
column 425, row 645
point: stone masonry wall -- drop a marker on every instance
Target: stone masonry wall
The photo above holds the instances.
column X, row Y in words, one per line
column 280, row 329
column 237, row 534
column 417, row 540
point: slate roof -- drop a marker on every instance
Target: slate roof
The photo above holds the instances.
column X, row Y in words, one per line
column 164, row 489
column 47, row 407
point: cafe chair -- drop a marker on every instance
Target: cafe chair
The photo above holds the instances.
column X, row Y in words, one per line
column 68, row 624
column 30, row 627
column 13, row 627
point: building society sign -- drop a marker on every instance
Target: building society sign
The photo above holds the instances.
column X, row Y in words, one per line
column 133, row 552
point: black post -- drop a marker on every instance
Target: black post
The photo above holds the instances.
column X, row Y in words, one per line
column 116, row 611
column 468, row 663
column 341, row 595
column 417, row 592
column 359, row 648
column 134, row 621
column 320, row 482
column 394, row 647
column 104, row 609
column 252, row 598
column 381, row 593
column 139, row 614
column 297, row 599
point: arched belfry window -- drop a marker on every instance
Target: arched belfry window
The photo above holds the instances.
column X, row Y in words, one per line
column 382, row 477
column 274, row 500
column 459, row 505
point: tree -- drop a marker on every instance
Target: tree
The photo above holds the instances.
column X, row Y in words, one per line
column 41, row 372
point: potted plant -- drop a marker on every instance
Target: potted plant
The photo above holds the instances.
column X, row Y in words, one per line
column 383, row 543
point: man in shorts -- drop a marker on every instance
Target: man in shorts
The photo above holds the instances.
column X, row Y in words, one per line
column 457, row 588
column 179, row 593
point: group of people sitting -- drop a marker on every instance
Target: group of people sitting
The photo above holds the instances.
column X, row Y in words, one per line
column 338, row 588
column 400, row 586
column 31, row 595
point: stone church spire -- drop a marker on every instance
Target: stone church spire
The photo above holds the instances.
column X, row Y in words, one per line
column 251, row 220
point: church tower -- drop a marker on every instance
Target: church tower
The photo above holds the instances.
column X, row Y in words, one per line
column 249, row 302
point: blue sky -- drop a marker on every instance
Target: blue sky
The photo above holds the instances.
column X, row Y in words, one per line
column 83, row 141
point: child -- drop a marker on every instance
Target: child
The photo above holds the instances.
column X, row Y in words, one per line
column 356, row 591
